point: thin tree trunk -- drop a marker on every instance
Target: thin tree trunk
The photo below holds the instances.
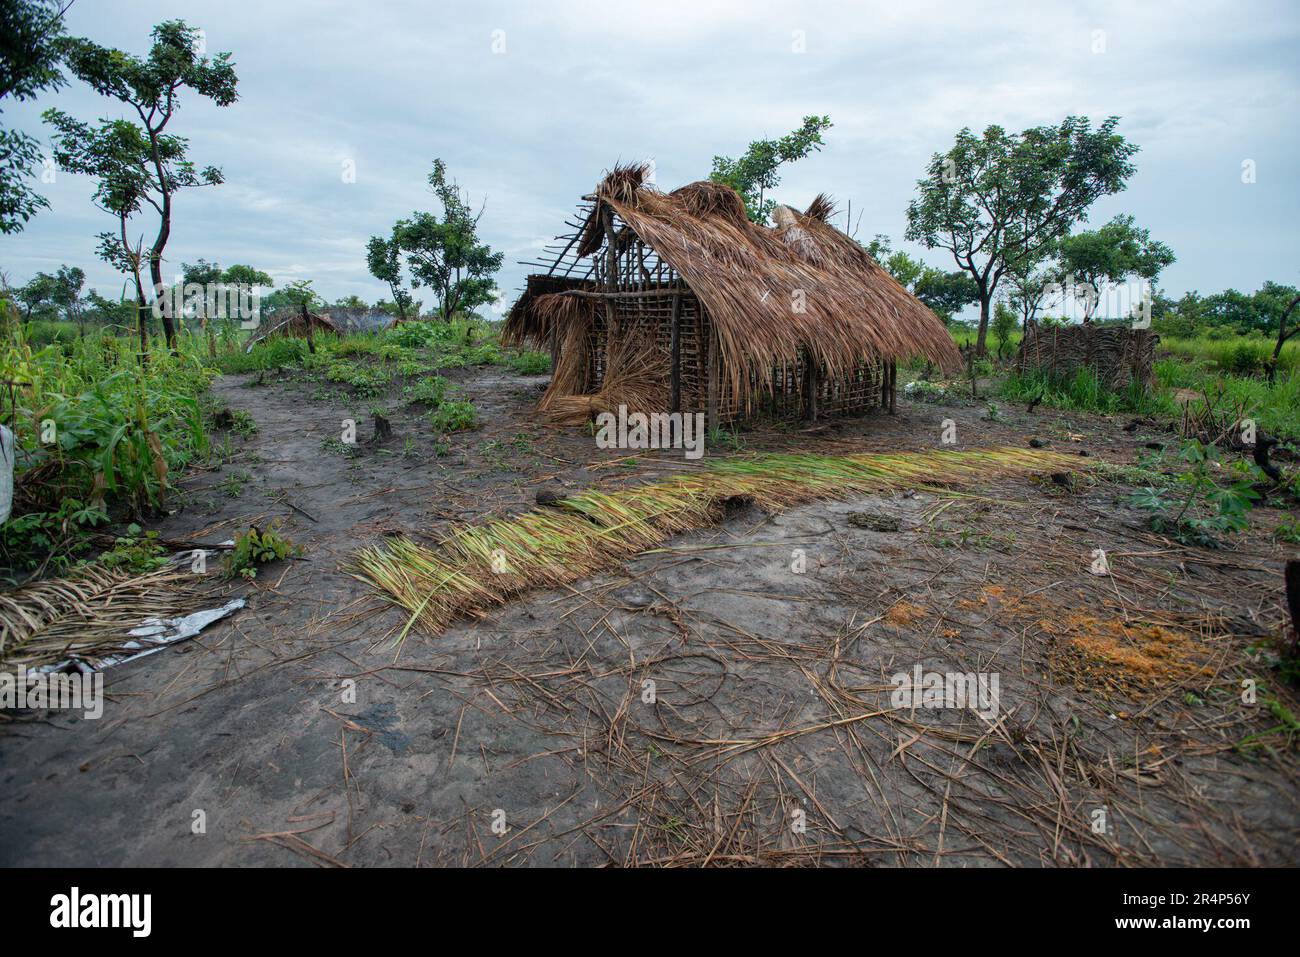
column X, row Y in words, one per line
column 981, row 349
column 1282, row 337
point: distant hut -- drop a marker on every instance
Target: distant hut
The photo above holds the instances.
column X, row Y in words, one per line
column 295, row 322
column 678, row 302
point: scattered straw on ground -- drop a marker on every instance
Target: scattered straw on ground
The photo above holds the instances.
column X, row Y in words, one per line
column 479, row 566
column 88, row 614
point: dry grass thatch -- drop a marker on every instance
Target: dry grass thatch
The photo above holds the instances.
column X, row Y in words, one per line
column 528, row 319
column 89, row 614
column 291, row 322
column 633, row 375
column 774, row 291
column 477, row 567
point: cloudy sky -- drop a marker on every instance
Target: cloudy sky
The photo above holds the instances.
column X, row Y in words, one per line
column 529, row 102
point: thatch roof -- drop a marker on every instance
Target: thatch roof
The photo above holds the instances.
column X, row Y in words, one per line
column 773, row 291
column 525, row 321
column 292, row 321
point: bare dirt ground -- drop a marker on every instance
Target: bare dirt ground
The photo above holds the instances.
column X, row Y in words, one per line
column 723, row 700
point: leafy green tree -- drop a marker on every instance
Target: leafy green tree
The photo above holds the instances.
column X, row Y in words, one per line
column 243, row 275
column 1283, row 333
column 445, row 253
column 201, row 273
column 998, row 199
column 1112, row 254
column 1004, row 326
column 946, row 293
column 204, row 273
column 754, row 173
column 384, row 257
column 150, row 87
column 298, row 293
column 108, row 312
column 1030, row 283
column 238, row 279
column 30, row 34
column 37, row 297
column 116, row 153
column 900, row 265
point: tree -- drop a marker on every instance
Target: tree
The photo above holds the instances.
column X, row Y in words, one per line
column 241, row 274
column 754, row 173
column 151, row 88
column 106, row 312
column 37, row 297
column 1111, row 254
column 997, row 200
column 1003, row 327
column 384, row 257
column 1283, row 334
column 1030, row 283
column 30, row 35
column 115, row 153
column 225, row 292
column 298, row 293
column 68, row 283
column 442, row 253
column 945, row 293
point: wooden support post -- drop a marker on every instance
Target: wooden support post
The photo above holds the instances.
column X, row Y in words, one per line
column 675, row 389
column 611, row 273
column 712, row 359
column 811, row 386
column 675, row 381
column 893, row 386
column 306, row 318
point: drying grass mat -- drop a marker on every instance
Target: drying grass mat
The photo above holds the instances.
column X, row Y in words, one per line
column 88, row 615
column 479, row 566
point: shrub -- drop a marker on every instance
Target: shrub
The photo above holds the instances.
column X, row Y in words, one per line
column 135, row 552
column 265, row 356
column 455, row 416
column 429, row 390
column 531, row 363
column 257, row 547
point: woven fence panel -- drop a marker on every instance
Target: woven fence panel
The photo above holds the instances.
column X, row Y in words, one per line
column 1117, row 355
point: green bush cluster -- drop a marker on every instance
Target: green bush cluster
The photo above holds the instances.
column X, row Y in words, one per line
column 96, row 430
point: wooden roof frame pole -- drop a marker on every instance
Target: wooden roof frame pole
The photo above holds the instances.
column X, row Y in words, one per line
column 611, row 272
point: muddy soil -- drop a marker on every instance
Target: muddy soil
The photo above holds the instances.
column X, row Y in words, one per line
column 724, row 700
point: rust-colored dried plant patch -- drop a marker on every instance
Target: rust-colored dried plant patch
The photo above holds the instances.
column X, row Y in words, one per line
column 1107, row 652
column 904, row 613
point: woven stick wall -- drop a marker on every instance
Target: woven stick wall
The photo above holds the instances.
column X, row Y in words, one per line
column 1117, row 355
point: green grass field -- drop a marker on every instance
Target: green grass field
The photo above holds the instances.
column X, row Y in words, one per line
column 1236, row 364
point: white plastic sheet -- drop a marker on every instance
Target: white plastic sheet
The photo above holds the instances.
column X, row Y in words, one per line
column 6, row 472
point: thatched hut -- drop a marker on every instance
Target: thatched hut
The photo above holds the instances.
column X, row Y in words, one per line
column 294, row 322
column 677, row 302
